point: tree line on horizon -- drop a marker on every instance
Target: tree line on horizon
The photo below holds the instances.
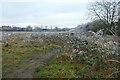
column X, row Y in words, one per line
column 30, row 28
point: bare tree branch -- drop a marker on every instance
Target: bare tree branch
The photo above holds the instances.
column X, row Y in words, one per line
column 105, row 11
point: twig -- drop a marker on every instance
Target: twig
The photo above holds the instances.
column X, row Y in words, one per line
column 113, row 61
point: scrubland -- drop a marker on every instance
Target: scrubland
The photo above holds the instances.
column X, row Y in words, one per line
column 86, row 56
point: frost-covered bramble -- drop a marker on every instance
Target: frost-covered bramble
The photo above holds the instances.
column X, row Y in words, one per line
column 94, row 51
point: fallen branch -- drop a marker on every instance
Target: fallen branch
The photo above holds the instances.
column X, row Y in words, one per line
column 113, row 61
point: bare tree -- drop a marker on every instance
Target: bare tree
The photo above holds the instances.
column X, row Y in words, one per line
column 106, row 11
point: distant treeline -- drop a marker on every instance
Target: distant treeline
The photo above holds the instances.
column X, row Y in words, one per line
column 29, row 28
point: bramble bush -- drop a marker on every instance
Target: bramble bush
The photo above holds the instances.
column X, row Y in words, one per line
column 99, row 62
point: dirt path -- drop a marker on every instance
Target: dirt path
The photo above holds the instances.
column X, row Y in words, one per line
column 38, row 60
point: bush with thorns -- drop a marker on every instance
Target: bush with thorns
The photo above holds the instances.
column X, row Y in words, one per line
column 100, row 61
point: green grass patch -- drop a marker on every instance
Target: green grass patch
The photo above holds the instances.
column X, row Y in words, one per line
column 14, row 56
column 57, row 68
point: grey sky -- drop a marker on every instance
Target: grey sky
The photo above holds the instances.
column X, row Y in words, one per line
column 61, row 13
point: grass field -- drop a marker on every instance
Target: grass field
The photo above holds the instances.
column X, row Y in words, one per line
column 16, row 53
column 85, row 57
column 59, row 67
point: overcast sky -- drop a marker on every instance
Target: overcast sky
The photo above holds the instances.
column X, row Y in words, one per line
column 61, row 13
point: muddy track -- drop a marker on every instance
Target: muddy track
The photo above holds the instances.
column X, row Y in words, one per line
column 39, row 60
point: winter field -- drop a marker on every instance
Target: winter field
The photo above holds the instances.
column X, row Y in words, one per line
column 59, row 55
